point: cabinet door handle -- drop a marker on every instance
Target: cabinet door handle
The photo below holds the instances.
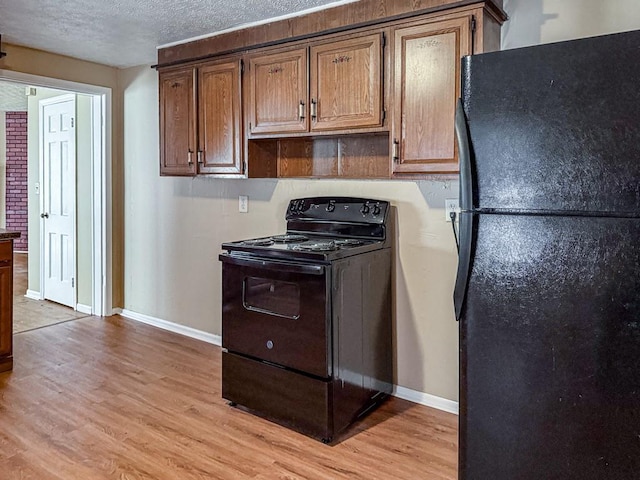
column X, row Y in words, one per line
column 314, row 109
column 200, row 157
column 396, row 151
column 190, row 157
column 301, row 110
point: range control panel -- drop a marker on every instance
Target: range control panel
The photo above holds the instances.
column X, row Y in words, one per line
column 338, row 209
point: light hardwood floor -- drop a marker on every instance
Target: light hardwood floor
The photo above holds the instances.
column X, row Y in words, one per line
column 29, row 314
column 114, row 399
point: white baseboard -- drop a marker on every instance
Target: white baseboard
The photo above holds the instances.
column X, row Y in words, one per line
column 426, row 399
column 173, row 327
column 400, row 392
column 83, row 308
column 33, row 295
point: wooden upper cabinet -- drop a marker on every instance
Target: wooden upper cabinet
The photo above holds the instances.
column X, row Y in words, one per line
column 201, row 120
column 177, row 122
column 344, row 90
column 220, row 118
column 346, row 84
column 278, row 93
column 426, row 88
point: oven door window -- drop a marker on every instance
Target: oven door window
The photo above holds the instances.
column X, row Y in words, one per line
column 272, row 297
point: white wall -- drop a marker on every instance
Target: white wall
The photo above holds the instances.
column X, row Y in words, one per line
column 174, row 226
column 532, row 22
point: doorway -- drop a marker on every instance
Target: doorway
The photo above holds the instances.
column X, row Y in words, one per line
column 95, row 200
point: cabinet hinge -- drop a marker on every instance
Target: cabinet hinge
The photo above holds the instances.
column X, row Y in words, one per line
column 72, row 122
column 384, row 115
column 73, row 283
column 473, row 24
column 384, row 40
column 244, row 166
column 241, row 66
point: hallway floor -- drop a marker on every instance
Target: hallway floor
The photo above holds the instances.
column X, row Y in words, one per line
column 29, row 314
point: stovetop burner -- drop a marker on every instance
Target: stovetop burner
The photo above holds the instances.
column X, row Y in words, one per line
column 316, row 247
column 348, row 242
column 258, row 242
column 289, row 238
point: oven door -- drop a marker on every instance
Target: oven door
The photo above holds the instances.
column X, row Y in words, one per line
column 277, row 311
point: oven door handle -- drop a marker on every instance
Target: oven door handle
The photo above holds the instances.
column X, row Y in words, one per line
column 278, row 265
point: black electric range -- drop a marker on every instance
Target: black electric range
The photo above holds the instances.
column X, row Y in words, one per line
column 306, row 316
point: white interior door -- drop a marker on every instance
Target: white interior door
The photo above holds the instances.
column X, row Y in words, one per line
column 58, row 198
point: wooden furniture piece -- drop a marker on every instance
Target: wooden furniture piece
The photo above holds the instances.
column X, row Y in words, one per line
column 363, row 90
column 6, row 299
column 201, row 119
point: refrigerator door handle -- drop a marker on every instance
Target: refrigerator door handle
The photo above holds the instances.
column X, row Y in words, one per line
column 465, row 229
column 464, row 262
column 464, row 156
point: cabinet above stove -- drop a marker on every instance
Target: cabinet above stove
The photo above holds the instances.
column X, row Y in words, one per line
column 351, row 93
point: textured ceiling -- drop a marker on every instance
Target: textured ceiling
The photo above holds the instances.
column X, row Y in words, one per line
column 12, row 97
column 125, row 33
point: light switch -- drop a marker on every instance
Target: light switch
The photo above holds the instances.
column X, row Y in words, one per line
column 243, row 203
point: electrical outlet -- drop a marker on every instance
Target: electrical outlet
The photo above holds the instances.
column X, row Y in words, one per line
column 243, row 203
column 451, row 205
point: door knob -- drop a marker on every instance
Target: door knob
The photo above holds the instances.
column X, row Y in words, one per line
column 44, row 215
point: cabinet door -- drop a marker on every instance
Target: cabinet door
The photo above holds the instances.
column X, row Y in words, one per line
column 177, row 122
column 278, row 93
column 6, row 309
column 220, row 120
column 346, row 84
column 426, row 88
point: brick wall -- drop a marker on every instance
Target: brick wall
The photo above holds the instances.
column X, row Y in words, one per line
column 16, row 186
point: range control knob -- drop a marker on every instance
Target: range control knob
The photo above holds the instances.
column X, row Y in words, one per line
column 376, row 210
column 331, row 206
column 365, row 209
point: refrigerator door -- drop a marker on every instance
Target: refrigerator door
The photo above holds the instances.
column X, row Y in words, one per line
column 556, row 127
column 550, row 350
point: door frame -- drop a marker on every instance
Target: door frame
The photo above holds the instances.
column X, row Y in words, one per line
column 42, row 104
column 101, row 166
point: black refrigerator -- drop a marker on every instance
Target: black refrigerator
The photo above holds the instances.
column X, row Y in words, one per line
column 548, row 285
